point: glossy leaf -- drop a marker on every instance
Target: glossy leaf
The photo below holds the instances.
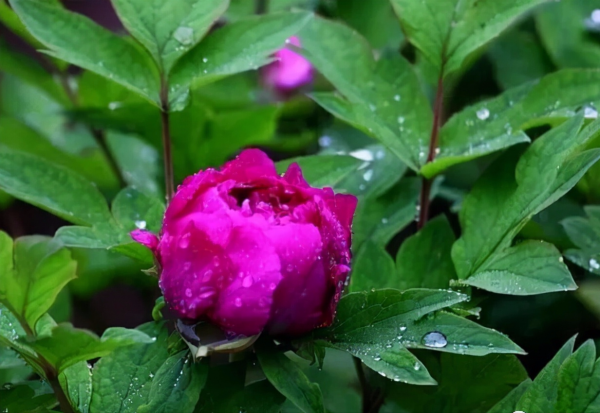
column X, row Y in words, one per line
column 545, row 172
column 585, row 234
column 423, row 260
column 53, row 188
column 34, row 271
column 531, row 267
column 133, row 369
column 466, row 384
column 70, row 36
column 168, row 29
column 372, row 267
column 448, row 32
column 323, row 170
column 390, row 106
column 238, row 47
column 499, row 122
column 76, row 381
column 381, row 218
column 67, row 345
column 461, row 336
column 289, row 379
column 27, row 397
column 177, row 385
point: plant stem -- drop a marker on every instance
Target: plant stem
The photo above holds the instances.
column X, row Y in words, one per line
column 166, row 141
column 61, row 397
column 50, row 373
column 364, row 384
column 438, row 107
column 97, row 134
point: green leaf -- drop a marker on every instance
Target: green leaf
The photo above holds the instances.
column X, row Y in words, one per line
column 133, row 369
column 232, row 130
column 32, row 275
column 67, row 345
column 390, row 106
column 579, row 381
column 237, row 47
column 510, row 401
column 373, row 267
column 585, row 234
column 89, row 161
column 139, row 162
column 259, row 397
column 572, row 46
column 423, row 260
column 393, row 361
column 448, row 32
column 287, row 377
column 76, row 381
column 542, row 393
column 70, row 36
column 545, row 172
column 26, row 397
column 53, row 188
column 13, row 368
column 531, row 267
column 379, row 317
column 499, row 122
column 177, row 385
column 11, row 332
column 133, row 209
column 169, row 28
column 381, row 218
column 460, row 336
column 31, row 72
column 518, row 58
column 373, row 19
column 10, row 19
column 323, row 170
column 466, row 384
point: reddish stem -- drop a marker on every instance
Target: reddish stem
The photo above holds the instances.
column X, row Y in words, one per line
column 166, row 140
column 438, row 108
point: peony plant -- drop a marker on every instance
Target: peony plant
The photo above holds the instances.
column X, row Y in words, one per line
column 227, row 206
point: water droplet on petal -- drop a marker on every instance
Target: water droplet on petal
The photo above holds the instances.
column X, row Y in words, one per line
column 238, row 302
column 248, row 281
column 184, row 241
column 434, row 339
column 188, row 292
column 272, row 286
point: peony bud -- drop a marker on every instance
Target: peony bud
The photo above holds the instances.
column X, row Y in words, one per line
column 290, row 71
column 250, row 250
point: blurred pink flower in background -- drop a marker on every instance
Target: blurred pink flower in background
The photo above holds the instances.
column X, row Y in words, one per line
column 291, row 71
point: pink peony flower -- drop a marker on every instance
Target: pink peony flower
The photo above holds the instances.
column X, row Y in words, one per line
column 290, row 71
column 251, row 250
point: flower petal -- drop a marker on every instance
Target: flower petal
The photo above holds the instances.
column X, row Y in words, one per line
column 250, row 165
column 146, row 238
column 194, row 271
column 245, row 305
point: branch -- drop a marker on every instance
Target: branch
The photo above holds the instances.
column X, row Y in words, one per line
column 438, row 108
column 166, row 141
column 97, row 134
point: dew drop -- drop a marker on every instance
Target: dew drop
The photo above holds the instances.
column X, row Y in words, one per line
column 434, row 339
column 417, row 367
column 397, row 98
column 400, row 119
column 594, row 264
column 184, row 241
column 368, row 175
column 188, row 292
column 184, row 35
column 238, row 302
column 248, row 281
column 204, row 59
column 483, row 113
column 590, row 112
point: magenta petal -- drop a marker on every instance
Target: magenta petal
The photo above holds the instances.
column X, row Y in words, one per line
column 299, row 300
column 293, row 175
column 194, row 271
column 251, row 164
column 245, row 305
column 146, row 238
